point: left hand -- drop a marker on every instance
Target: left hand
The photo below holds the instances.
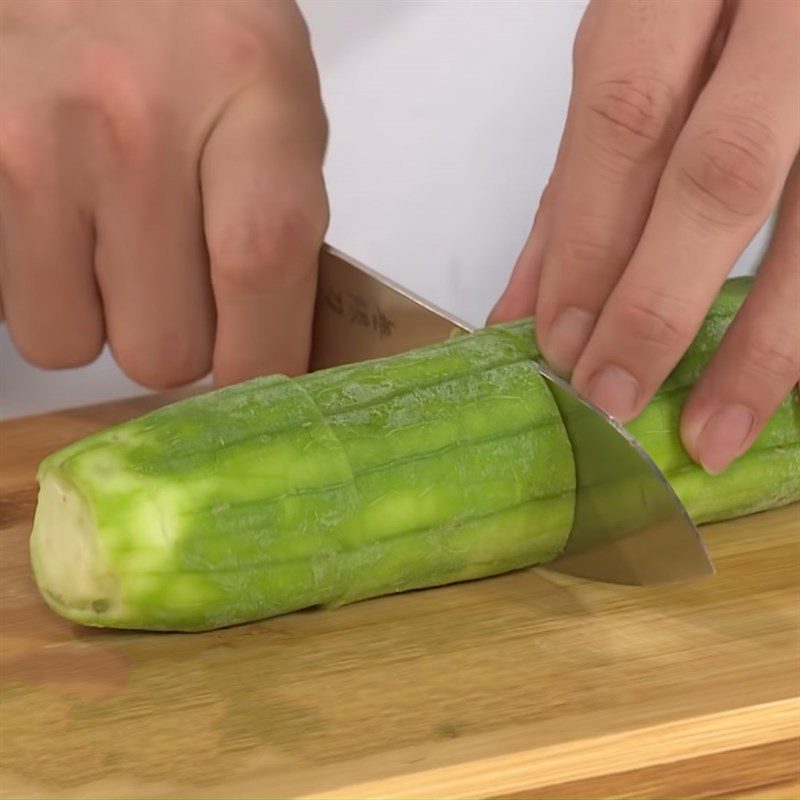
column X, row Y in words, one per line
column 161, row 185
column 683, row 126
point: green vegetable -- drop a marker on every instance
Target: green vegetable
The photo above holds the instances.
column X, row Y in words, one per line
column 767, row 476
column 444, row 464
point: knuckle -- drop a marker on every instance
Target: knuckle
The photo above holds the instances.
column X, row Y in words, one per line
column 588, row 268
column 730, row 172
column 776, row 356
column 20, row 150
column 590, row 258
column 271, row 250
column 657, row 319
column 250, row 38
column 634, row 116
column 166, row 363
column 107, row 89
column 236, row 47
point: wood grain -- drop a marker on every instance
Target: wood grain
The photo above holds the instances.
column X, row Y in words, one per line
column 712, row 775
column 530, row 684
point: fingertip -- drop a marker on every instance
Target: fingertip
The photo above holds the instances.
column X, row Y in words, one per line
column 520, row 295
column 494, row 316
column 614, row 390
column 518, row 299
column 724, row 437
column 499, row 312
column 566, row 338
column 688, row 431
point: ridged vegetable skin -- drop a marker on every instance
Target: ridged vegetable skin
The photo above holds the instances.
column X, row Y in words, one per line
column 440, row 465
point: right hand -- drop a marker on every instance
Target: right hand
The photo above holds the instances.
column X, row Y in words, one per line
column 161, row 186
column 682, row 130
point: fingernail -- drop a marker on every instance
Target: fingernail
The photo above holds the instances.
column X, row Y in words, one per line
column 614, row 390
column 567, row 337
column 723, row 437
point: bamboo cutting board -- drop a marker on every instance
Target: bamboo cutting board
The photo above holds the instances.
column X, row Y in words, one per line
column 530, row 684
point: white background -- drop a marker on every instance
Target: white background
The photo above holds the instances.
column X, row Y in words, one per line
column 445, row 118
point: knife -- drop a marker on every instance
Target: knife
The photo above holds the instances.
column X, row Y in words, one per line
column 629, row 526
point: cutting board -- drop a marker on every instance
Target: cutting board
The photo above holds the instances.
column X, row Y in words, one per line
column 529, row 684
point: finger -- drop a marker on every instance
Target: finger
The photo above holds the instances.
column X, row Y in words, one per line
column 758, row 360
column 151, row 262
column 265, row 218
column 519, row 298
column 520, row 295
column 51, row 304
column 637, row 68
column 723, row 178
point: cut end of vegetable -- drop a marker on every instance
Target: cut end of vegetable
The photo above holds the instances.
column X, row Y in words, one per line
column 68, row 565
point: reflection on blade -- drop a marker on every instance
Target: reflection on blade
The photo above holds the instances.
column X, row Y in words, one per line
column 629, row 527
column 360, row 315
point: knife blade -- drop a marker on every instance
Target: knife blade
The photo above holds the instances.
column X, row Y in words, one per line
column 629, row 527
column 361, row 315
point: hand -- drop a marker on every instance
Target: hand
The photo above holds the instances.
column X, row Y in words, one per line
column 161, row 185
column 682, row 129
